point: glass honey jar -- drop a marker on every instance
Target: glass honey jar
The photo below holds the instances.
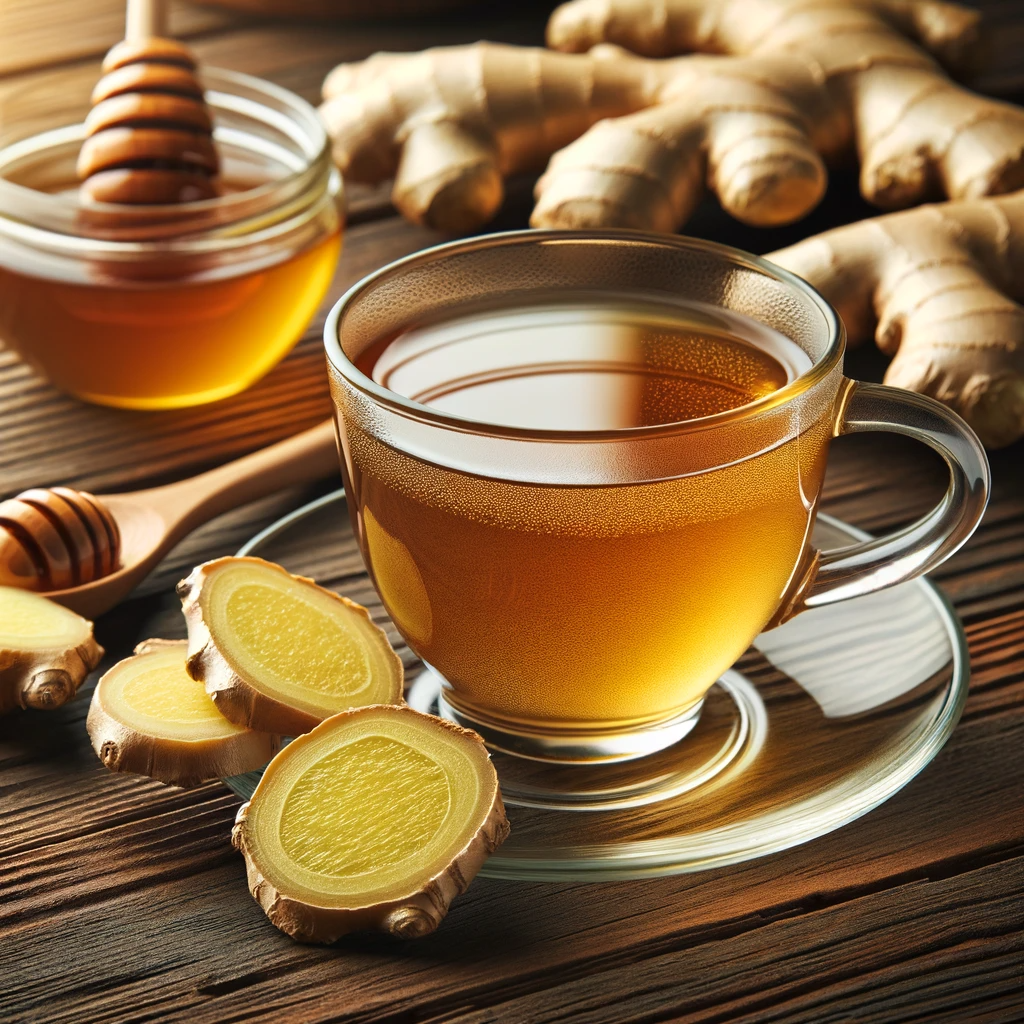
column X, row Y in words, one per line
column 157, row 307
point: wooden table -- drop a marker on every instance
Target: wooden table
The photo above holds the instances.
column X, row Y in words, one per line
column 122, row 901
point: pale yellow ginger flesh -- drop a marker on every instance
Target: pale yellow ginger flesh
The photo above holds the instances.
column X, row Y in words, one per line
column 46, row 651
column 278, row 653
column 918, row 135
column 376, row 819
column 636, row 141
column 942, row 289
column 149, row 717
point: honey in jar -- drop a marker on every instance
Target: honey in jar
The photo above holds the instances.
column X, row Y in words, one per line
column 162, row 307
column 160, row 345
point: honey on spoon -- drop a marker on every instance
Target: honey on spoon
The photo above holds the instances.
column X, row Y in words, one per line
column 87, row 553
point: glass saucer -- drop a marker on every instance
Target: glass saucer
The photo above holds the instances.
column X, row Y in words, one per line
column 823, row 719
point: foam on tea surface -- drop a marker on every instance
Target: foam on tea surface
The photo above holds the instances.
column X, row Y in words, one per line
column 595, row 365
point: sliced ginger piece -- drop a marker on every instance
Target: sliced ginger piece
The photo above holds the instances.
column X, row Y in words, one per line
column 376, row 819
column 150, row 717
column 278, row 653
column 45, row 651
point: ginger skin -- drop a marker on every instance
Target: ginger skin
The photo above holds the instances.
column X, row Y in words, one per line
column 942, row 289
column 46, row 651
column 756, row 131
column 917, row 134
column 805, row 82
column 451, row 123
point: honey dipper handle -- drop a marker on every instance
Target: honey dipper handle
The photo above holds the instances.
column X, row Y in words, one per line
column 302, row 459
column 145, row 19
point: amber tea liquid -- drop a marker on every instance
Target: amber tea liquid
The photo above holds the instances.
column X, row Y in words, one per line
column 617, row 604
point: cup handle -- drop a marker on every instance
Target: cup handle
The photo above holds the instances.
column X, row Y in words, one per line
column 876, row 564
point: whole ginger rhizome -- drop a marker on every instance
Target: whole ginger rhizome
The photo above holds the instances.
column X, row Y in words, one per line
column 626, row 138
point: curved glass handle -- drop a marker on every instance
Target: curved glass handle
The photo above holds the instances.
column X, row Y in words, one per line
column 876, row 564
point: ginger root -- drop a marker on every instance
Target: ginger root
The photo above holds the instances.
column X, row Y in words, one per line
column 941, row 287
column 149, row 717
column 634, row 141
column 756, row 131
column 279, row 654
column 46, row 651
column 917, row 134
column 450, row 123
column 376, row 819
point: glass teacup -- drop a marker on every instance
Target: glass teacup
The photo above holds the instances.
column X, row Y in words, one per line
column 579, row 590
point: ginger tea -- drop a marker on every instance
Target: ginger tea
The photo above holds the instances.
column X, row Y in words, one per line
column 612, row 603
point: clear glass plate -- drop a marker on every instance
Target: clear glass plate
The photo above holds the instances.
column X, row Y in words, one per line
column 822, row 720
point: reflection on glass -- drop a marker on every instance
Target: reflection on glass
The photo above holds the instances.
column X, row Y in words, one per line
column 825, row 738
column 863, row 653
column 602, row 365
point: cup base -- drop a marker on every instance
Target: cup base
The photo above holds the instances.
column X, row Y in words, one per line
column 724, row 732
column 566, row 746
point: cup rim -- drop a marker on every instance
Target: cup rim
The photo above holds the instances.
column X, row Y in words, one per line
column 819, row 369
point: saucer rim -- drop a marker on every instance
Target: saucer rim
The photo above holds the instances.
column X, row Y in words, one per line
column 702, row 851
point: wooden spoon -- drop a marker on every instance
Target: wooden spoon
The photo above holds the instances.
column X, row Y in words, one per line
column 51, row 538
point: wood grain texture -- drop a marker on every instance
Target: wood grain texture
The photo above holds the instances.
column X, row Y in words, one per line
column 126, row 876
column 89, row 860
column 121, row 900
column 103, row 450
column 48, row 32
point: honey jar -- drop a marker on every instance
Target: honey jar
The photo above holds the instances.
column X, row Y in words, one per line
column 159, row 307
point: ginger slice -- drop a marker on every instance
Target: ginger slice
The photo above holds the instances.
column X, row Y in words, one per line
column 150, row 717
column 278, row 653
column 376, row 819
column 45, row 651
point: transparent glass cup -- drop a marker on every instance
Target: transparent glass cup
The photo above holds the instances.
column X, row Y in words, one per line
column 578, row 592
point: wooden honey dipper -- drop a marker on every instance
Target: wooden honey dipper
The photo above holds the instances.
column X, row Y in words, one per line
column 88, row 552
column 55, row 538
column 150, row 137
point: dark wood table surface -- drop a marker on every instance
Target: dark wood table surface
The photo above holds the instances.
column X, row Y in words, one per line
column 121, row 900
